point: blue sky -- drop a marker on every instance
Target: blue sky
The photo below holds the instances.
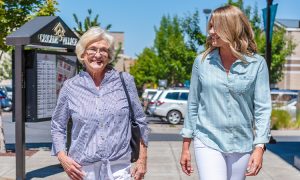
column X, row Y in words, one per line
column 137, row 18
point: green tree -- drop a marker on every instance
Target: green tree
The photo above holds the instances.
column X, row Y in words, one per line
column 282, row 45
column 145, row 70
column 170, row 57
column 88, row 22
column 5, row 67
column 48, row 9
column 14, row 14
column 191, row 27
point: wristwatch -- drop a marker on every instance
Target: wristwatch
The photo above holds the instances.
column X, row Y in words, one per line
column 262, row 146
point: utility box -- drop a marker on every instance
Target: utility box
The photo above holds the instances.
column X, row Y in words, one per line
column 45, row 73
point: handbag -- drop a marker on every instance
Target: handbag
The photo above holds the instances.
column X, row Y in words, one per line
column 135, row 129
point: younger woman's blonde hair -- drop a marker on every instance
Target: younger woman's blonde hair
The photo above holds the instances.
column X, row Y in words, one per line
column 234, row 28
column 92, row 35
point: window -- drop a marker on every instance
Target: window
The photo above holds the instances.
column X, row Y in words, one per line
column 183, row 96
column 173, row 95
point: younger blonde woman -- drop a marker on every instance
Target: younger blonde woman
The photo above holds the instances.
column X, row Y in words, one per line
column 229, row 103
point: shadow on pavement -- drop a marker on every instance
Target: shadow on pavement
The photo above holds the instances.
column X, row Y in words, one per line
column 164, row 137
column 30, row 146
column 285, row 150
column 45, row 171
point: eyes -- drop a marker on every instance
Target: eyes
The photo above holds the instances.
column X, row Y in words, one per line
column 92, row 51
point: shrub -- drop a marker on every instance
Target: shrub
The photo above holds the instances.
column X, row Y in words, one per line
column 280, row 119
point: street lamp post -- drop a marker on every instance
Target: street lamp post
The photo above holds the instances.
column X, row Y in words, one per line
column 207, row 13
column 268, row 37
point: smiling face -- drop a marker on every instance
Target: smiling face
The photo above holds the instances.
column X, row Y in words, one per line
column 96, row 56
column 216, row 41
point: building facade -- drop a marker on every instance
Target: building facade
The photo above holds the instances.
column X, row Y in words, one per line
column 124, row 62
column 291, row 79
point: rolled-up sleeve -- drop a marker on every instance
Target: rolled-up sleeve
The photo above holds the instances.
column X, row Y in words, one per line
column 59, row 121
column 262, row 105
column 193, row 103
column 137, row 108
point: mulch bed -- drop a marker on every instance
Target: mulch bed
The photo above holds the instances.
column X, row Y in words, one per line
column 13, row 153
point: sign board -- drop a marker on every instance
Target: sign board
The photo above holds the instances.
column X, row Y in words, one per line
column 42, row 69
column 44, row 31
column 162, row 83
column 46, row 73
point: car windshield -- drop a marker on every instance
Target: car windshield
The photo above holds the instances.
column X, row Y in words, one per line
column 9, row 88
column 292, row 101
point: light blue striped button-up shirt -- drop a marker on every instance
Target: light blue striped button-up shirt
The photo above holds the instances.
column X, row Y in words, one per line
column 101, row 127
column 229, row 112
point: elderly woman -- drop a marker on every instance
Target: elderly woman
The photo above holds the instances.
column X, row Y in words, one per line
column 96, row 102
column 229, row 104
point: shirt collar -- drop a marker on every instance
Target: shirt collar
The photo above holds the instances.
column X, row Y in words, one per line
column 109, row 72
column 214, row 55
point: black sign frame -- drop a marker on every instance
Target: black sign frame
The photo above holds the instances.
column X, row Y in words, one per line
column 32, row 98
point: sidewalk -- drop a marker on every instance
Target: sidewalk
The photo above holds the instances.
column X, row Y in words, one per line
column 163, row 159
column 163, row 164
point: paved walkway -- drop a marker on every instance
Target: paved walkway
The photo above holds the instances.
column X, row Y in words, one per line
column 163, row 160
column 162, row 165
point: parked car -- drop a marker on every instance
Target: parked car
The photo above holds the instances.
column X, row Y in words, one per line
column 172, row 104
column 5, row 101
column 290, row 107
column 146, row 96
column 9, row 91
column 148, row 93
column 282, row 97
column 151, row 106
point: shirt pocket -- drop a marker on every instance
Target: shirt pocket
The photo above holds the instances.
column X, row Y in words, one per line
column 241, row 84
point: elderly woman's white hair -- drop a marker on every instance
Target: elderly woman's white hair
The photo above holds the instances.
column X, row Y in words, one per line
column 92, row 35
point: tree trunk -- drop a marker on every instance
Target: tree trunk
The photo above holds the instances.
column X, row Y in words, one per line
column 2, row 139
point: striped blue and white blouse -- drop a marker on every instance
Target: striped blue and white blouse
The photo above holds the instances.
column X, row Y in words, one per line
column 101, row 127
column 229, row 112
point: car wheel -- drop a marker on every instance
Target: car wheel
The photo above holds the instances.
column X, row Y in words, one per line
column 174, row 117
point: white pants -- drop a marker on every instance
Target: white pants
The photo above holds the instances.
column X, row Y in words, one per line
column 119, row 170
column 214, row 165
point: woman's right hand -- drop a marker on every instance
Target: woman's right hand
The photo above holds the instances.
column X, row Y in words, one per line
column 72, row 168
column 185, row 160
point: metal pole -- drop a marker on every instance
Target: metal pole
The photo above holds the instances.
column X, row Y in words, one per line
column 19, row 105
column 268, row 38
column 269, row 47
column 206, row 25
column 207, row 13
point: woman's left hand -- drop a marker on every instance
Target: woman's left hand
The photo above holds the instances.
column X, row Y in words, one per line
column 139, row 169
column 255, row 162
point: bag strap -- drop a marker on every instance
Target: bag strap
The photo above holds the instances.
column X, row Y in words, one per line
column 128, row 98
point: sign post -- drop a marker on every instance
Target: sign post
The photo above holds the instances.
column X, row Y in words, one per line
column 46, row 31
column 269, row 14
